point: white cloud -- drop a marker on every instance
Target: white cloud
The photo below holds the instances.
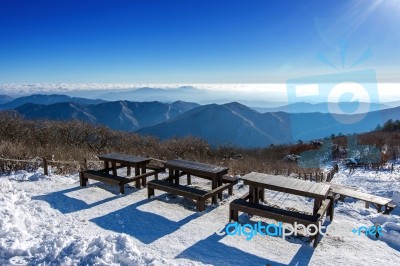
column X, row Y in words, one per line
column 25, row 88
column 387, row 91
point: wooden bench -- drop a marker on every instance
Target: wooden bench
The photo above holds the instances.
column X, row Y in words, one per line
column 199, row 195
column 231, row 180
column 376, row 201
column 112, row 179
column 226, row 179
column 281, row 215
column 157, row 169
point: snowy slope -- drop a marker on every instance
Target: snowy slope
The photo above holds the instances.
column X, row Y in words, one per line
column 52, row 220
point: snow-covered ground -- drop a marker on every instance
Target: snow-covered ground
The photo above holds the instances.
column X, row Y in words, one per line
column 47, row 220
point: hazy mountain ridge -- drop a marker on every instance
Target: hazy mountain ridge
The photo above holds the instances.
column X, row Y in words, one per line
column 121, row 115
column 45, row 99
column 302, row 107
column 239, row 125
column 232, row 123
column 5, row 99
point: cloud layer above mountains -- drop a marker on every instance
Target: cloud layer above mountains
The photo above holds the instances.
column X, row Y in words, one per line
column 267, row 92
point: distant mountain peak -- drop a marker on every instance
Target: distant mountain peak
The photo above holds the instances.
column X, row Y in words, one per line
column 46, row 99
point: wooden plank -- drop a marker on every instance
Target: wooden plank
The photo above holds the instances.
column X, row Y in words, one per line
column 313, row 188
column 285, row 184
column 123, row 158
column 216, row 191
column 272, row 212
column 252, row 176
column 317, row 205
column 141, row 176
column 109, row 179
column 176, row 177
column 114, row 168
column 196, row 172
column 156, row 168
column 185, row 191
column 324, row 189
column 344, row 191
column 301, row 185
column 324, row 208
column 305, row 186
column 214, row 185
column 230, row 179
column 137, row 181
column 193, row 167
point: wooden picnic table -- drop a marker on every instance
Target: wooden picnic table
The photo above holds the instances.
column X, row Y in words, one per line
column 178, row 168
column 138, row 162
column 258, row 182
column 114, row 161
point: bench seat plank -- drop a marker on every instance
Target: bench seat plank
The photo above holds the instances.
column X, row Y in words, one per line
column 112, row 179
column 185, row 191
column 272, row 212
column 348, row 192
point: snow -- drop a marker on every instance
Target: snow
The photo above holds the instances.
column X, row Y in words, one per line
column 51, row 220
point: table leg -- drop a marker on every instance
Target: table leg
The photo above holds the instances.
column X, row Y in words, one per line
column 176, row 177
column 220, row 184
column 317, row 205
column 114, row 168
column 106, row 166
column 214, row 185
column 262, row 195
column 256, row 198
column 189, row 179
column 144, row 178
column 137, row 172
column 252, row 196
column 170, row 175
column 128, row 170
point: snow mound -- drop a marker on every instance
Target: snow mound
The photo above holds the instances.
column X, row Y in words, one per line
column 33, row 233
column 53, row 221
column 391, row 229
column 23, row 175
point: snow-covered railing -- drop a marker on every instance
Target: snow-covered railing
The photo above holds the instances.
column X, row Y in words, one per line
column 44, row 162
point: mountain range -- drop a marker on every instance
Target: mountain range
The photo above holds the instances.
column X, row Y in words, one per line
column 182, row 93
column 5, row 99
column 121, row 115
column 236, row 124
column 46, row 100
column 219, row 124
column 302, row 107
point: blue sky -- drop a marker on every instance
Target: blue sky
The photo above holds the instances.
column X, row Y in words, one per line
column 194, row 41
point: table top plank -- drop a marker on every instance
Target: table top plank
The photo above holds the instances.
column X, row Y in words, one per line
column 315, row 186
column 292, row 184
column 190, row 165
column 325, row 190
column 123, row 158
column 299, row 184
column 286, row 184
column 305, row 185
